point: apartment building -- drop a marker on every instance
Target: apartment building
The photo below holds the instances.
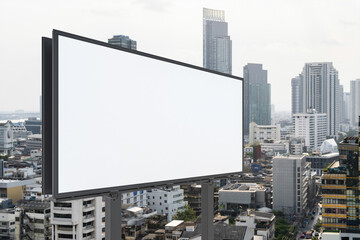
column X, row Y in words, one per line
column 32, row 220
column 78, row 219
column 261, row 133
column 7, row 224
column 166, row 201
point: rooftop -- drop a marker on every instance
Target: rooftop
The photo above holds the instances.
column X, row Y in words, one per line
column 174, row 223
column 33, row 204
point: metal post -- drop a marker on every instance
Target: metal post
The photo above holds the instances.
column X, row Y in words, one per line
column 207, row 210
column 113, row 216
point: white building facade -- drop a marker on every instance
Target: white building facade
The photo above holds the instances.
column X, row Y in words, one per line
column 354, row 102
column 78, row 219
column 312, row 127
column 137, row 198
column 260, row 133
column 166, row 201
column 6, row 137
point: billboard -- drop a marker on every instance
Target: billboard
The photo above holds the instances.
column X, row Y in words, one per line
column 125, row 120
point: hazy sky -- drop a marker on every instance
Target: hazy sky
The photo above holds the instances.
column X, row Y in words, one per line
column 280, row 34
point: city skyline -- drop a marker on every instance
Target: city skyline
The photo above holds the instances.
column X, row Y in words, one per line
column 269, row 35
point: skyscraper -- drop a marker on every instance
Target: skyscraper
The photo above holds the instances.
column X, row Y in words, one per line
column 257, row 97
column 347, row 106
column 321, row 92
column 217, row 45
column 123, row 41
column 297, row 94
column 354, row 101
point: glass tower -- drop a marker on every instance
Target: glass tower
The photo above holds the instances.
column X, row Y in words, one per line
column 217, row 45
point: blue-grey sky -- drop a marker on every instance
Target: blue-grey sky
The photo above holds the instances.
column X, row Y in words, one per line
column 280, row 34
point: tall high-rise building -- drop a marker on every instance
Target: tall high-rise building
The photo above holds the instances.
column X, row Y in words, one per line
column 341, row 104
column 217, row 45
column 354, row 101
column 347, row 106
column 340, row 185
column 311, row 126
column 297, row 94
column 123, row 41
column 321, row 92
column 257, row 96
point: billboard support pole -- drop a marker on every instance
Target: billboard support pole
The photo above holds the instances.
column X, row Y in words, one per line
column 207, row 210
column 113, row 216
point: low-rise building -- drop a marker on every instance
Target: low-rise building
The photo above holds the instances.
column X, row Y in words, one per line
column 237, row 196
column 7, row 224
column 14, row 189
column 260, row 223
column 260, row 133
column 166, row 201
column 34, row 141
column 32, row 220
column 137, row 197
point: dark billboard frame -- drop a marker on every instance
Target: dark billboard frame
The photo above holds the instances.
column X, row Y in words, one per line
column 53, row 162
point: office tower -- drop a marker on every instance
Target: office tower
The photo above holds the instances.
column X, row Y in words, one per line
column 354, row 101
column 291, row 176
column 257, row 97
column 347, row 106
column 217, row 45
column 123, row 41
column 340, row 189
column 297, row 94
column 321, row 92
column 312, row 127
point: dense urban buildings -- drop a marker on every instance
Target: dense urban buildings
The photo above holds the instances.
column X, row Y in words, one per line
column 320, row 91
column 312, row 127
column 257, row 96
column 123, row 41
column 354, row 102
column 217, row 45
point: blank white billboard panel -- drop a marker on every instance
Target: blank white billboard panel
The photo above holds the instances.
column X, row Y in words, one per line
column 127, row 120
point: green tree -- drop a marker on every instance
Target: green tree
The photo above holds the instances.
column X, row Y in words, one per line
column 187, row 215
